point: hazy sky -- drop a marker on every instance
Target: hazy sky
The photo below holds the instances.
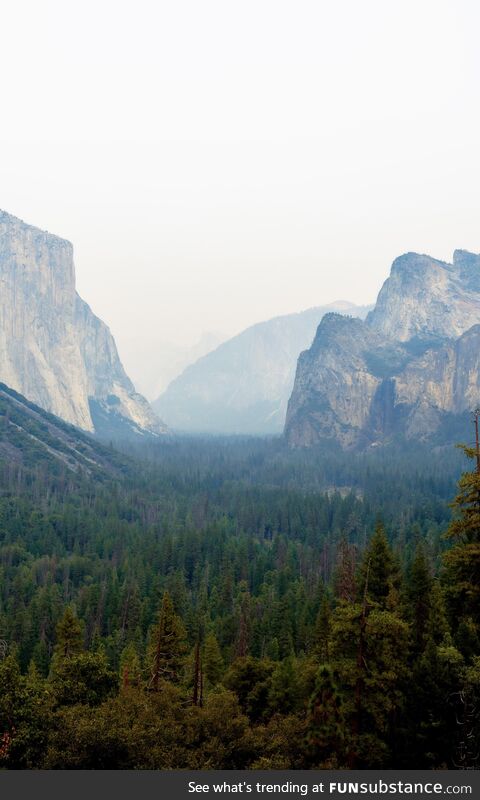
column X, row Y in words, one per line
column 218, row 163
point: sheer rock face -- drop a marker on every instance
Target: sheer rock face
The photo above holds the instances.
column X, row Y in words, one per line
column 407, row 369
column 343, row 387
column 446, row 378
column 53, row 349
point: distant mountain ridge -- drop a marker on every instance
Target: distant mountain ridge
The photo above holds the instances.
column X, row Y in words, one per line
column 53, row 349
column 243, row 386
column 410, row 368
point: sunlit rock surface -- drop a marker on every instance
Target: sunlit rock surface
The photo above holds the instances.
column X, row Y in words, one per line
column 411, row 368
column 53, row 349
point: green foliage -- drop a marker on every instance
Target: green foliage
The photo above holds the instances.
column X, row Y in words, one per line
column 250, row 679
column 369, row 657
column 462, row 561
column 323, row 631
column 418, row 590
column 130, row 667
column 25, row 717
column 232, row 566
column 213, row 665
column 82, row 678
column 166, row 654
column 378, row 572
column 325, row 721
column 69, row 636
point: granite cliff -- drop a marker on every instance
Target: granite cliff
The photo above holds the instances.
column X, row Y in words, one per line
column 53, row 349
column 428, row 299
column 410, row 369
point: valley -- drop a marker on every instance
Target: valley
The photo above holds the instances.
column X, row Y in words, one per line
column 225, row 593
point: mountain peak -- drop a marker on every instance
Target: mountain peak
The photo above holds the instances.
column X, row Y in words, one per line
column 462, row 256
column 416, row 264
column 425, row 297
column 14, row 222
column 335, row 324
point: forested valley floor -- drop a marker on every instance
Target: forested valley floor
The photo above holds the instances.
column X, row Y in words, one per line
column 230, row 604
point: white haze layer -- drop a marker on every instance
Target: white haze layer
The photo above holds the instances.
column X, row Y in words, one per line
column 217, row 163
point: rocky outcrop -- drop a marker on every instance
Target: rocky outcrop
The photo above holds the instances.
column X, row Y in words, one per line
column 428, row 299
column 243, row 385
column 343, row 386
column 53, row 349
column 409, row 369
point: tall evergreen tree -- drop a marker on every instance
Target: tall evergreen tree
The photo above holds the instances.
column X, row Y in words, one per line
column 213, row 665
column 462, row 561
column 130, row 666
column 435, row 680
column 168, row 646
column 325, row 722
column 69, row 635
column 378, row 571
column 323, row 632
column 418, row 595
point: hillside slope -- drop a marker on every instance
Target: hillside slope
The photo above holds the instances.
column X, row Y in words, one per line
column 33, row 438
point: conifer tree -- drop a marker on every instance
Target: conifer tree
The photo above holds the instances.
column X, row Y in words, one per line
column 418, row 594
column 77, row 676
column 41, row 657
column 198, row 679
column 323, row 630
column 130, row 667
column 284, row 691
column 168, row 648
column 24, row 716
column 369, row 655
column 344, row 576
column 433, row 691
column 69, row 635
column 326, row 726
column 378, row 571
column 462, row 561
column 213, row 665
